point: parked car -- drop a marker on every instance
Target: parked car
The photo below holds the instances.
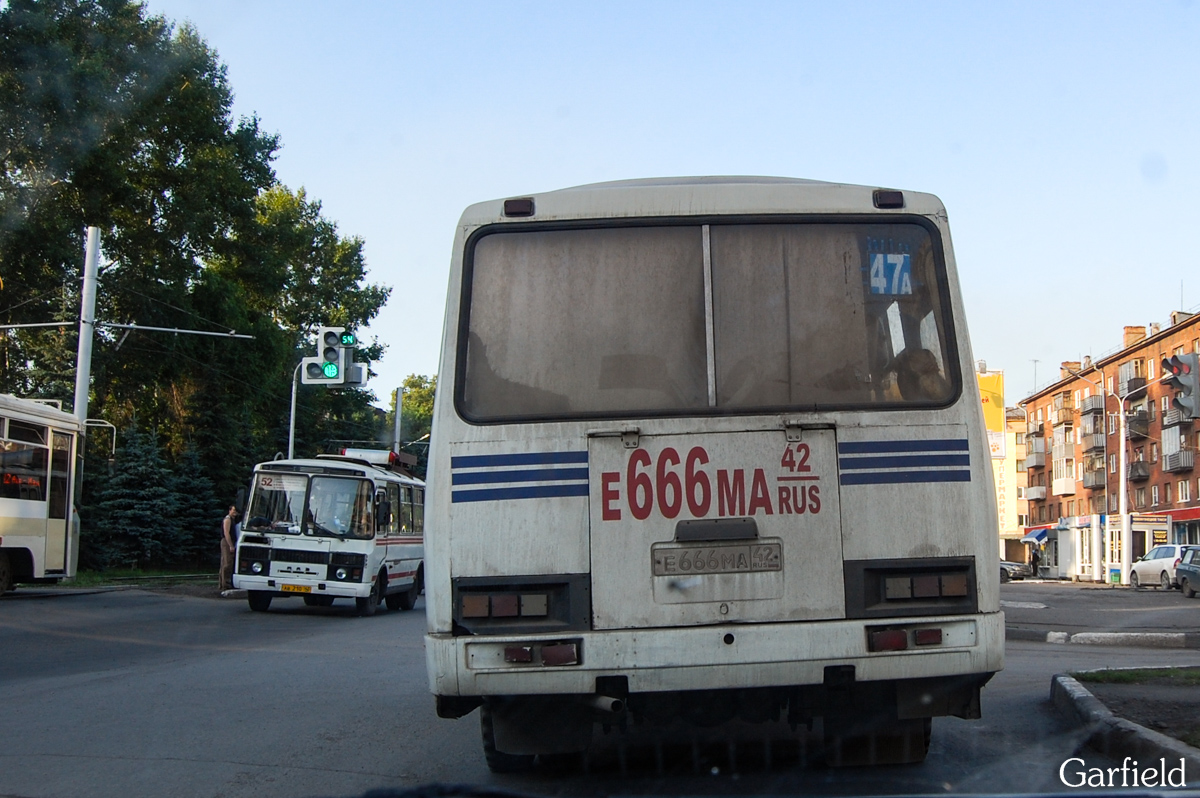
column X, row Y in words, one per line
column 1187, row 573
column 1020, row 570
column 1157, row 565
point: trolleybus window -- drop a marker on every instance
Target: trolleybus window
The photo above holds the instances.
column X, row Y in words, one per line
column 612, row 321
column 22, row 471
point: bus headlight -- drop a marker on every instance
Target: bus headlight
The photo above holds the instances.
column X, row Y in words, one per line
column 341, row 574
column 256, row 567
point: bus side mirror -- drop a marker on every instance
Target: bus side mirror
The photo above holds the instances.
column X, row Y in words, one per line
column 240, row 503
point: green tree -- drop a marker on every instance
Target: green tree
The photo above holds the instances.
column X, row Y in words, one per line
column 197, row 511
column 116, row 118
column 135, row 521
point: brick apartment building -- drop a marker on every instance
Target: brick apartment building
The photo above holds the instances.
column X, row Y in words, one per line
column 1072, row 456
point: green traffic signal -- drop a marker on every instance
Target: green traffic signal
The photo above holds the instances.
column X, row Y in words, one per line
column 330, row 370
column 348, row 339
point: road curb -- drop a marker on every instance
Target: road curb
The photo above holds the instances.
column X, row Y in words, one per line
column 44, row 593
column 1113, row 736
column 1130, row 639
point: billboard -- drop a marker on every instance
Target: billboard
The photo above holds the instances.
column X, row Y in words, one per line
column 991, row 392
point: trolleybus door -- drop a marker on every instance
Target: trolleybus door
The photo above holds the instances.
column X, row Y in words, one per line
column 59, row 496
column 715, row 528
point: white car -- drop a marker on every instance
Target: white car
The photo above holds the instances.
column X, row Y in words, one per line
column 1156, row 565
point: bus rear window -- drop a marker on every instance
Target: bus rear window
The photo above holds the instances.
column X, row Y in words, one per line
column 615, row 321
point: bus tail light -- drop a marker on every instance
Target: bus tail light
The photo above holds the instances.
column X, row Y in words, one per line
column 887, row 640
column 897, row 639
column 927, row 637
column 521, row 605
column 561, row 654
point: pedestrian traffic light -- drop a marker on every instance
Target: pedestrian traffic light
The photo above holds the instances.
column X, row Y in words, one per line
column 329, row 366
column 1182, row 372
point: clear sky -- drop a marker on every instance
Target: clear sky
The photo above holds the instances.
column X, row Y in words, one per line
column 1061, row 136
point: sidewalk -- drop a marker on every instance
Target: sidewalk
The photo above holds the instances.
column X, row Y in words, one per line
column 1086, row 613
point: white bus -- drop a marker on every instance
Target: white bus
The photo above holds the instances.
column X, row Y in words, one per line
column 39, row 536
column 329, row 528
column 709, row 449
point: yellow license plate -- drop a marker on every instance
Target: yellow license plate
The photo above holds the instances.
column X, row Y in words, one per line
column 295, row 588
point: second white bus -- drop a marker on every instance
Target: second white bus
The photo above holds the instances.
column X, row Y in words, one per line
column 709, row 449
column 335, row 527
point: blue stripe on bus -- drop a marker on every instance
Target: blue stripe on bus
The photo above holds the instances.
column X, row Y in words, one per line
column 903, row 461
column 883, row 447
column 903, row 477
column 525, row 458
column 529, row 475
column 528, row 492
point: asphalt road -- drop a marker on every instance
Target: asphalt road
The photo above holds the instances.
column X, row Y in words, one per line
column 140, row 694
column 1081, row 607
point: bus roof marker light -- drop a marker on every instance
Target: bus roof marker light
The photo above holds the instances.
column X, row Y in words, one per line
column 519, row 207
column 887, row 198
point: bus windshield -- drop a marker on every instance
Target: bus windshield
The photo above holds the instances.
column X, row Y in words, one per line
column 341, row 507
column 684, row 319
column 277, row 503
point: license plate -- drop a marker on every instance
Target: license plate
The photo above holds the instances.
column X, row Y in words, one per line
column 295, row 588
column 674, row 560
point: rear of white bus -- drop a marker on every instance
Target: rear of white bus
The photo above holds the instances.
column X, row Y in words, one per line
column 708, row 449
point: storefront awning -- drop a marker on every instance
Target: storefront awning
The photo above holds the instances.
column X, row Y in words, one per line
column 1036, row 536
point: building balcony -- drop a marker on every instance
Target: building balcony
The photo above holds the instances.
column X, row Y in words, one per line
column 1093, row 443
column 1035, row 493
column 1092, row 404
column 1035, row 460
column 1138, row 472
column 1094, row 479
column 1064, row 451
column 1183, row 460
column 1060, row 417
column 1129, row 386
column 1137, row 425
column 1175, row 418
column 1063, row 486
column 1034, row 428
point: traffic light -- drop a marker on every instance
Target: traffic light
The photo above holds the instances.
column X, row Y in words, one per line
column 1182, row 372
column 329, row 367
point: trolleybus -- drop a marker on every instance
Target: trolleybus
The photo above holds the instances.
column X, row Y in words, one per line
column 39, row 537
column 333, row 527
column 709, row 449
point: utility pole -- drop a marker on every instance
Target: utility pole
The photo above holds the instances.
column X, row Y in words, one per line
column 87, row 323
column 396, row 426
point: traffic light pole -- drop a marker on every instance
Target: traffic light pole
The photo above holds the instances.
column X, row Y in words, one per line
column 292, row 418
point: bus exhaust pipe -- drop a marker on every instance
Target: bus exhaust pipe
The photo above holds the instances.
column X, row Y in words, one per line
column 605, row 703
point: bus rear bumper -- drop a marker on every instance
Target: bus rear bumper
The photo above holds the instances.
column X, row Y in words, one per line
column 711, row 657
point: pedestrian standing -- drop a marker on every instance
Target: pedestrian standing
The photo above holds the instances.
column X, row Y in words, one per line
column 1035, row 560
column 228, row 547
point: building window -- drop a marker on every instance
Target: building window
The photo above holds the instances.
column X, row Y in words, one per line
column 1110, row 381
column 1185, row 491
column 1166, row 403
column 1022, row 520
column 1150, row 369
column 1139, row 497
column 1020, row 441
column 1077, row 398
column 1178, row 350
column 1071, row 508
column 1154, row 454
column 1021, row 466
column 1039, row 415
column 1167, row 490
column 1112, row 464
column 1154, row 495
column 1112, row 504
column 1112, row 425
